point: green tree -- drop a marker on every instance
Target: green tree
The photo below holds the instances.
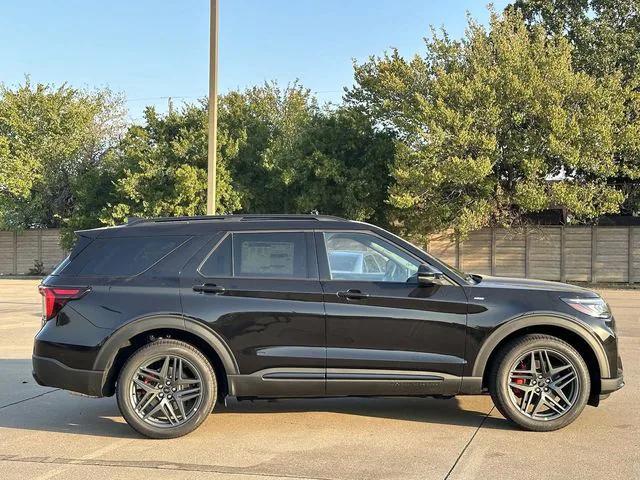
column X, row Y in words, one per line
column 342, row 166
column 68, row 165
column 160, row 168
column 495, row 126
column 51, row 140
column 268, row 122
column 295, row 157
column 605, row 35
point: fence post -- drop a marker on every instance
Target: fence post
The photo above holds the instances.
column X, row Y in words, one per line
column 493, row 251
column 39, row 244
column 458, row 254
column 563, row 272
column 630, row 255
column 15, row 253
column 594, row 252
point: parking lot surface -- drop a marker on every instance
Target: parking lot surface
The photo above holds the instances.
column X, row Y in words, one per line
column 50, row 434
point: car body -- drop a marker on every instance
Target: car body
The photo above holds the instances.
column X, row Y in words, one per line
column 258, row 297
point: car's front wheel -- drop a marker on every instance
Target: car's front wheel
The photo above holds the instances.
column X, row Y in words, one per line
column 166, row 389
column 539, row 382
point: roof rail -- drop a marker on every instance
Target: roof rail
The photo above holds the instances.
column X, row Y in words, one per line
column 237, row 218
column 287, row 216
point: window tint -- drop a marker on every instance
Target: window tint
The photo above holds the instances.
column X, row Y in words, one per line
column 366, row 257
column 125, row 256
column 271, row 255
column 218, row 264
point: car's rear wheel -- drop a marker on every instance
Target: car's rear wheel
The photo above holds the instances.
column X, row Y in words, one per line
column 539, row 382
column 166, row 389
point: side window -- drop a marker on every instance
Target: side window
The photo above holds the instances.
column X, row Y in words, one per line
column 268, row 255
column 366, row 257
column 281, row 254
column 124, row 256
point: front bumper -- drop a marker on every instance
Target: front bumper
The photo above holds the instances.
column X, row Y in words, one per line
column 49, row 372
column 610, row 385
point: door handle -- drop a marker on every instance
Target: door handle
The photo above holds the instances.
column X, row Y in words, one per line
column 209, row 288
column 353, row 294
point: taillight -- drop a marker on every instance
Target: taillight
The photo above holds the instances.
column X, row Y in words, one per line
column 54, row 298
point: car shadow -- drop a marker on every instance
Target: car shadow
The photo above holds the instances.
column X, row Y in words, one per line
column 32, row 407
column 469, row 412
column 25, row 405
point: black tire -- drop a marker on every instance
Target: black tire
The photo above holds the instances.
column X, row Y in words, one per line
column 505, row 397
column 197, row 363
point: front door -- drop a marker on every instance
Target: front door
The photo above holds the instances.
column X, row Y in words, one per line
column 259, row 291
column 387, row 334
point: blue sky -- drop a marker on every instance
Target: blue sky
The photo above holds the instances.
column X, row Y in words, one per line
column 150, row 50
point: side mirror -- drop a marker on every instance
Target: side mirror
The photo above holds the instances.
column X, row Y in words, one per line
column 426, row 276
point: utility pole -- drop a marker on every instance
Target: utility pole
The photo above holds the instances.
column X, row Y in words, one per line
column 213, row 108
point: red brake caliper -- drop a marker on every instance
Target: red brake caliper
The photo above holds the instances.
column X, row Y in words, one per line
column 519, row 381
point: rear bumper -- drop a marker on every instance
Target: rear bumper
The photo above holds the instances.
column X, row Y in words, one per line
column 64, row 353
column 49, row 372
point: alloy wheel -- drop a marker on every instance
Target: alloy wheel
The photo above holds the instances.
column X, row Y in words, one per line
column 166, row 391
column 543, row 384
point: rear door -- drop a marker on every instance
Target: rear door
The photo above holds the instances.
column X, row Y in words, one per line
column 386, row 334
column 260, row 292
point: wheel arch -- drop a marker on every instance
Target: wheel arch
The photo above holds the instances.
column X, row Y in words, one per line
column 126, row 340
column 569, row 329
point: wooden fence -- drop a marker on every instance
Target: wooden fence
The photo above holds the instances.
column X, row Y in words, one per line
column 579, row 254
column 584, row 254
column 20, row 251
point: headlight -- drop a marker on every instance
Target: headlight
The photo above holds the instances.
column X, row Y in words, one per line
column 594, row 307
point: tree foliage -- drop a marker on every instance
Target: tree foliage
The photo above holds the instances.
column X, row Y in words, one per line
column 295, row 157
column 605, row 36
column 495, row 126
column 268, row 121
column 160, row 168
column 278, row 152
column 343, row 167
column 52, row 141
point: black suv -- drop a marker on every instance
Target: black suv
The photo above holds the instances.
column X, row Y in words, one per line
column 174, row 314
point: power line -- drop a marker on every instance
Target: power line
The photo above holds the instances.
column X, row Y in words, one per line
column 183, row 97
column 172, row 97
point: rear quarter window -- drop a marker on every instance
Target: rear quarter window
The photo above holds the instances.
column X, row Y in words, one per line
column 124, row 256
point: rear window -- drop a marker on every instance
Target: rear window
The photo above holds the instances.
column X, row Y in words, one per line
column 124, row 256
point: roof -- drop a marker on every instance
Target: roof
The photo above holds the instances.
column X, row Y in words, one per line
column 205, row 224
